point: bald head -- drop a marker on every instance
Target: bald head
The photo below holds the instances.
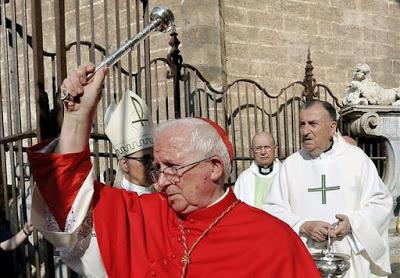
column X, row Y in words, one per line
column 263, row 147
column 262, row 135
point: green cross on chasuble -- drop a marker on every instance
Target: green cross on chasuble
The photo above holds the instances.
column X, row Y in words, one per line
column 323, row 189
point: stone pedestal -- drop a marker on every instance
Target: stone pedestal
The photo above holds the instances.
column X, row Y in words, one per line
column 378, row 122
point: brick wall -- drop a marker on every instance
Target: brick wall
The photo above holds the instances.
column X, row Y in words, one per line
column 267, row 40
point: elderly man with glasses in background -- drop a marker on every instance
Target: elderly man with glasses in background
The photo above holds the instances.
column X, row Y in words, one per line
column 194, row 227
column 253, row 184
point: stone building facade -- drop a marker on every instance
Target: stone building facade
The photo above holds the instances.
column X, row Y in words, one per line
column 267, row 40
column 264, row 40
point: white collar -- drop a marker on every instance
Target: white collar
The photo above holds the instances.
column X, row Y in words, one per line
column 128, row 186
column 338, row 147
column 254, row 168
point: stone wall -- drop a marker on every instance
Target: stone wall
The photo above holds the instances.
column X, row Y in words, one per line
column 267, row 40
column 263, row 40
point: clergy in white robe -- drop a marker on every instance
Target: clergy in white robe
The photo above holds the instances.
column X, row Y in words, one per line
column 252, row 186
column 337, row 182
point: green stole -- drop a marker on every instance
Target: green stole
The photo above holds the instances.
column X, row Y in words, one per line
column 262, row 186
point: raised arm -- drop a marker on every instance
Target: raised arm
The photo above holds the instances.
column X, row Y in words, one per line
column 80, row 110
column 61, row 167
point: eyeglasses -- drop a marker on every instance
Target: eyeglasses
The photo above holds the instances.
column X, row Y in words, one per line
column 146, row 159
column 171, row 173
column 262, row 148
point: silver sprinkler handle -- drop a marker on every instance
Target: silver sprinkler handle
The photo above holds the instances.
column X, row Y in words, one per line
column 162, row 19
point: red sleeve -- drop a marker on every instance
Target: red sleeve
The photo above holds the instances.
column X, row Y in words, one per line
column 59, row 177
column 289, row 251
column 303, row 261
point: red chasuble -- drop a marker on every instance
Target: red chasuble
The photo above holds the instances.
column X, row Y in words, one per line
column 140, row 236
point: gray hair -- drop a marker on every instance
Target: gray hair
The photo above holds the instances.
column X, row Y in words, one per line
column 203, row 138
column 324, row 104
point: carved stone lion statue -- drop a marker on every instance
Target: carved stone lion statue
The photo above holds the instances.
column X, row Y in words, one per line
column 362, row 90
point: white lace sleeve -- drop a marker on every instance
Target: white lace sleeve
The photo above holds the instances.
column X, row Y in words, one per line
column 77, row 244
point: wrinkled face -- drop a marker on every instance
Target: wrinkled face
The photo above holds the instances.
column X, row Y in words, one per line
column 263, row 149
column 136, row 167
column 195, row 188
column 316, row 129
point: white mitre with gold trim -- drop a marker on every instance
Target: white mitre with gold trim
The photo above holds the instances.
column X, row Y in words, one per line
column 130, row 128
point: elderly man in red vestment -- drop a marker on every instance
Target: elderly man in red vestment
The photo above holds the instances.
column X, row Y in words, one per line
column 193, row 228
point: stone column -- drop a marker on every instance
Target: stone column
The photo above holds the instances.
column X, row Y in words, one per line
column 379, row 122
column 201, row 37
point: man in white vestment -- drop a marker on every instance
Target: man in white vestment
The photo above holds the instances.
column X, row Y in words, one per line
column 133, row 145
column 253, row 184
column 332, row 185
